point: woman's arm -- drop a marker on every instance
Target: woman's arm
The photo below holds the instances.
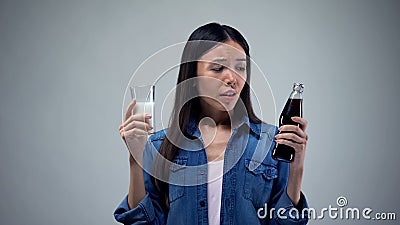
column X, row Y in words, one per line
column 134, row 132
column 137, row 190
column 143, row 204
column 297, row 139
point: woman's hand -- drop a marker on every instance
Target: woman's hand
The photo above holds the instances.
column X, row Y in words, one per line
column 297, row 139
column 134, row 131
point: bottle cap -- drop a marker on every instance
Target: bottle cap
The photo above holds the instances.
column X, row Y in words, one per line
column 298, row 87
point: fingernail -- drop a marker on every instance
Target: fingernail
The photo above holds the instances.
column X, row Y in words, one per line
column 148, row 116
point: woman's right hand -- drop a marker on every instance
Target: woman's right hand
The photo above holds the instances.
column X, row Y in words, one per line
column 134, row 131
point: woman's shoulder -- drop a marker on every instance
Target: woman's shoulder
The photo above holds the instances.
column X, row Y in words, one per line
column 264, row 128
column 262, row 145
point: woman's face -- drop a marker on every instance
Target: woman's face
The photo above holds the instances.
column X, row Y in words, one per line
column 221, row 74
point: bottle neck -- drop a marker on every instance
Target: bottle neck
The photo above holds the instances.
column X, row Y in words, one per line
column 296, row 95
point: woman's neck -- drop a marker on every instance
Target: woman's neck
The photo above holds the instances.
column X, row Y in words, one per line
column 219, row 117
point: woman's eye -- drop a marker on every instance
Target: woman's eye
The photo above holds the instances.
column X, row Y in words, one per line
column 217, row 69
column 240, row 68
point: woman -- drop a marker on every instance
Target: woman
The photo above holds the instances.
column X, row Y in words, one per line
column 213, row 165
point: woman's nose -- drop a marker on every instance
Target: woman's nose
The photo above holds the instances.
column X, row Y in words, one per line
column 229, row 77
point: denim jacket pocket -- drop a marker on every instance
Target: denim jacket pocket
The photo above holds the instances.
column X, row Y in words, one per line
column 177, row 178
column 259, row 178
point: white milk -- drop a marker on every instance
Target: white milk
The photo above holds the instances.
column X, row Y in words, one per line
column 145, row 108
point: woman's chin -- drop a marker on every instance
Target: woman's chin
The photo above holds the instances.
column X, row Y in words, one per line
column 226, row 107
column 222, row 105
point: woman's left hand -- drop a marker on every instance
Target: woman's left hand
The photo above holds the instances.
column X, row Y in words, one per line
column 295, row 137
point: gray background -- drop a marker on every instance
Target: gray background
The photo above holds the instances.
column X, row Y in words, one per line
column 64, row 67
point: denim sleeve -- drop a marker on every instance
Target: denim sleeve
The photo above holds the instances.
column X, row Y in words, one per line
column 285, row 212
column 149, row 210
column 141, row 214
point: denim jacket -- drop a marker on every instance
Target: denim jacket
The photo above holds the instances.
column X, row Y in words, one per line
column 252, row 184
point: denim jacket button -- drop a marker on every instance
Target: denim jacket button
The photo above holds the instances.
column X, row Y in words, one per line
column 202, row 203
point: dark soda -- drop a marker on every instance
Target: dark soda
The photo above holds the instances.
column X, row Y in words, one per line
column 293, row 107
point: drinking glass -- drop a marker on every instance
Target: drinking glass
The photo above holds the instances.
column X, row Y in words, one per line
column 144, row 96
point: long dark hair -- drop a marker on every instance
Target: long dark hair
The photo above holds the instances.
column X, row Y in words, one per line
column 200, row 41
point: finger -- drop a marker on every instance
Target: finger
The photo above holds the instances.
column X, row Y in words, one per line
column 292, row 128
column 129, row 109
column 303, row 122
column 138, row 124
column 136, row 132
column 138, row 117
column 291, row 137
column 122, row 133
column 297, row 147
column 126, row 122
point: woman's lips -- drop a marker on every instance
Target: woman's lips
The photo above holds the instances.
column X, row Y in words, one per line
column 229, row 95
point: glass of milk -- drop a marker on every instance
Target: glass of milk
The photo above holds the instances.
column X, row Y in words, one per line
column 144, row 96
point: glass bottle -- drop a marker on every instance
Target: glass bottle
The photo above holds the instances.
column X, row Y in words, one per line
column 293, row 107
